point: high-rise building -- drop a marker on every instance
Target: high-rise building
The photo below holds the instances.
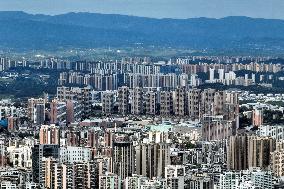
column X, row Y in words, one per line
column 38, row 152
column 40, row 114
column 134, row 181
column 277, row 162
column 109, row 82
column 211, row 74
column 3, row 158
column 36, row 110
column 51, row 173
column 20, row 155
column 221, row 74
column 262, row 179
column 229, row 180
column 151, row 102
column 201, row 180
column 137, row 101
column 183, row 80
column 237, row 152
column 194, row 81
column 179, row 102
column 13, row 123
column 151, row 159
column 95, row 168
column 67, row 173
column 74, row 154
column 93, row 138
column 109, row 181
column 107, row 102
column 123, row 156
column 81, row 95
column 166, row 103
column 257, row 117
column 58, row 112
column 73, row 111
column 194, row 99
column 207, row 101
column 219, row 111
column 81, row 175
column 49, row 134
column 175, row 176
column 123, row 100
column 259, row 149
column 216, row 128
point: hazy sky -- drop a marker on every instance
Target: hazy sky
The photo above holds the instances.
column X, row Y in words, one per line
column 154, row 8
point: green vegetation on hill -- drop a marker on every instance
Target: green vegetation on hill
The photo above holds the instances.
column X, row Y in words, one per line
column 29, row 84
column 25, row 87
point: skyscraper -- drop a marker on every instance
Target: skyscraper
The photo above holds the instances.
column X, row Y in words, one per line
column 51, row 173
column 38, row 152
column 211, row 74
column 237, row 152
column 259, row 149
column 221, row 74
column 36, row 110
column 151, row 159
column 123, row 156
column 40, row 113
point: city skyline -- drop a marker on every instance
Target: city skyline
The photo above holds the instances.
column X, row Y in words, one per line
column 154, row 9
column 136, row 122
column 124, row 94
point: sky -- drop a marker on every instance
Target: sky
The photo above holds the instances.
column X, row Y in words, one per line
column 153, row 8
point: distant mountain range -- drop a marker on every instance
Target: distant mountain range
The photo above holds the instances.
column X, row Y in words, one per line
column 19, row 30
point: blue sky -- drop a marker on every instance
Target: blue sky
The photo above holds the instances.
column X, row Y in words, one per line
column 154, row 8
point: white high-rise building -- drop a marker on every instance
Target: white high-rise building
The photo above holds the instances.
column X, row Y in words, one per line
column 221, row 74
column 194, row 80
column 253, row 78
column 230, row 78
column 230, row 75
column 71, row 154
column 183, row 80
column 211, row 74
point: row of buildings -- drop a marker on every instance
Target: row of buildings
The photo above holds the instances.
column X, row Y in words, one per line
column 188, row 65
column 179, row 102
column 136, row 157
column 102, row 82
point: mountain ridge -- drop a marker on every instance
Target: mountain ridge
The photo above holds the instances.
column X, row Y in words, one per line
column 124, row 15
column 21, row 30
